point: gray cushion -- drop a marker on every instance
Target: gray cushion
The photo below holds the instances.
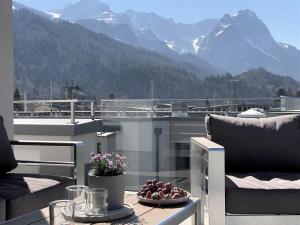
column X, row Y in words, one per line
column 26, row 193
column 2, row 210
column 263, row 193
column 7, row 158
column 271, row 144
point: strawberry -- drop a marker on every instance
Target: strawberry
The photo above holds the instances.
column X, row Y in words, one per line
column 176, row 195
column 162, row 195
column 149, row 195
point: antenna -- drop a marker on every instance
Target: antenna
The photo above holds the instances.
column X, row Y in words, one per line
column 152, row 89
column 51, row 97
column 69, row 90
column 25, row 101
column 214, row 94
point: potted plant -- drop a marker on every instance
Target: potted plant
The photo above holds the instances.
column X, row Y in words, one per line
column 108, row 171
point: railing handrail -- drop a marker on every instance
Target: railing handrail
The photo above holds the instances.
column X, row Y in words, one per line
column 69, row 101
column 53, row 101
column 187, row 99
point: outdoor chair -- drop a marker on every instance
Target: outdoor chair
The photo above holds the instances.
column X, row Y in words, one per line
column 247, row 171
column 23, row 193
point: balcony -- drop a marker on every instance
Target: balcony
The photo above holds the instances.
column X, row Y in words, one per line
column 154, row 134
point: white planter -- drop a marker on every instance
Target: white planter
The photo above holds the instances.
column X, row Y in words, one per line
column 115, row 186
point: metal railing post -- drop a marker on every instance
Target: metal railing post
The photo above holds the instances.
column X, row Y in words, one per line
column 92, row 110
column 157, row 132
column 72, row 112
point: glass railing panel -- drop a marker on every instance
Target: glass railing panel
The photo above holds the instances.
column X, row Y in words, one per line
column 154, row 134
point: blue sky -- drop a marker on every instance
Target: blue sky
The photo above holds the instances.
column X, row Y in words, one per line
column 281, row 17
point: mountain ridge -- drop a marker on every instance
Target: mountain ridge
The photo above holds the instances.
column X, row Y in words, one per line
column 234, row 43
column 242, row 41
column 183, row 42
column 120, row 31
column 57, row 51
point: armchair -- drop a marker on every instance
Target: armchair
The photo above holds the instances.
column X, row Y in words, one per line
column 247, row 171
column 22, row 193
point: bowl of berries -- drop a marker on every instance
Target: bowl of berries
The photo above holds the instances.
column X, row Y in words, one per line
column 157, row 193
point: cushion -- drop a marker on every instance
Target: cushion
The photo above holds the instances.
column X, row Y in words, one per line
column 263, row 193
column 2, row 210
column 25, row 193
column 7, row 158
column 271, row 144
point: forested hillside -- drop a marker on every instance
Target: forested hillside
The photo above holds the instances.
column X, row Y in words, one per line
column 46, row 50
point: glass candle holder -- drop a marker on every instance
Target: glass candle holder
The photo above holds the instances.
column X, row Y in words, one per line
column 77, row 194
column 96, row 201
column 56, row 209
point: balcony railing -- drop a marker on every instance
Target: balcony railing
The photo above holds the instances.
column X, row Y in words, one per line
column 74, row 108
column 134, row 125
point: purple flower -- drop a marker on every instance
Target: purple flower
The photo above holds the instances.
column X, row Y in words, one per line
column 108, row 164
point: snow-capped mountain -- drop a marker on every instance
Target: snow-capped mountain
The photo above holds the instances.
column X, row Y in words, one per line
column 177, row 36
column 235, row 43
column 17, row 6
column 120, row 32
column 139, row 31
column 89, row 9
column 242, row 41
column 84, row 9
column 183, row 38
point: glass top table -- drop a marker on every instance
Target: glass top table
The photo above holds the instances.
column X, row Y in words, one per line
column 144, row 214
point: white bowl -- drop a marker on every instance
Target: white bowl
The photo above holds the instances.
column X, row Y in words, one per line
column 165, row 201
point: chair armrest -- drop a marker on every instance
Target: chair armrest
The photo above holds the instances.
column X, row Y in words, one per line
column 206, row 144
column 47, row 143
column 208, row 176
column 75, row 144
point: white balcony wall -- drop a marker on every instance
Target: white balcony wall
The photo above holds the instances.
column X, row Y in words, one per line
column 6, row 65
column 137, row 140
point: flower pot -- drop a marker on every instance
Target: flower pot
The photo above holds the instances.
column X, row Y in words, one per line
column 115, row 185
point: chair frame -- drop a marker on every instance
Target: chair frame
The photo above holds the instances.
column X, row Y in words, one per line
column 74, row 144
column 208, row 183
